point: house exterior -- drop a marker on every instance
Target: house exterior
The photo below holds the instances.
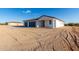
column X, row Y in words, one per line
column 13, row 23
column 44, row 21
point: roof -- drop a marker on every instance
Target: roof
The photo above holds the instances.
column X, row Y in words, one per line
column 45, row 16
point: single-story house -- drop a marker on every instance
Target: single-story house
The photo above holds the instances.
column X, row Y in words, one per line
column 44, row 21
column 13, row 23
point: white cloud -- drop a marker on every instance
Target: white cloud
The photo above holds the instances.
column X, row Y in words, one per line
column 27, row 11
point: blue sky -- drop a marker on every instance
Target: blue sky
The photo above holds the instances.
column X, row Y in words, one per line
column 19, row 14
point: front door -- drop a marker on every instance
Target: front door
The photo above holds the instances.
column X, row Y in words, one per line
column 42, row 23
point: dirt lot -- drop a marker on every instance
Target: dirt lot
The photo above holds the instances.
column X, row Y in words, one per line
column 39, row 39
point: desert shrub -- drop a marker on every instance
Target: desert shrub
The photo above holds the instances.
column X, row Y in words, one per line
column 66, row 24
column 72, row 24
column 6, row 23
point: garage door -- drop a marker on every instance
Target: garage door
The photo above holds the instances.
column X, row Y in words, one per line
column 32, row 24
column 25, row 23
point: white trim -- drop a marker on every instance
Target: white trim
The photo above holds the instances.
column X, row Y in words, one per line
column 27, row 23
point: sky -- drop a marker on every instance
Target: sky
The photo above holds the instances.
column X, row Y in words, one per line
column 20, row 14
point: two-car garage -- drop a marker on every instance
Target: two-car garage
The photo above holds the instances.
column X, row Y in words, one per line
column 30, row 24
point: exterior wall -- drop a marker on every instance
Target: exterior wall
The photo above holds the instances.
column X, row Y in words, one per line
column 46, row 19
column 37, row 24
column 59, row 23
column 55, row 23
column 47, row 23
column 16, row 24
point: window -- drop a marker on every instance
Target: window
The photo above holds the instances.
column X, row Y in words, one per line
column 50, row 22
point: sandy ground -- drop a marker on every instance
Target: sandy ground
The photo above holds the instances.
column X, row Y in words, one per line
column 39, row 39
